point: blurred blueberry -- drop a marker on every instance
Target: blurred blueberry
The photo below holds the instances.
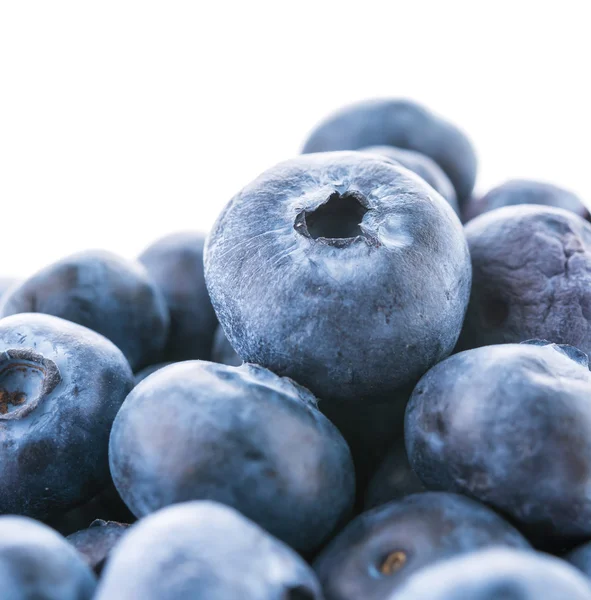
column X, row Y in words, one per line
column 343, row 271
column 204, row 550
column 112, row 296
column 223, row 352
column 509, row 425
column 5, row 284
column 403, row 124
column 36, row 563
column 96, row 542
column 394, row 479
column 580, row 557
column 141, row 375
column 238, row 435
column 525, row 191
column 378, row 550
column 175, row 262
column 497, row 574
column 531, row 278
column 423, row 166
column 61, row 386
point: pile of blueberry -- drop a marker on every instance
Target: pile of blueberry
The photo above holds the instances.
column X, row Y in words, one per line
column 342, row 393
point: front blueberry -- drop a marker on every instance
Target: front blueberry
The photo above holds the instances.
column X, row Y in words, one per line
column 103, row 292
column 36, row 563
column 403, row 124
column 238, row 435
column 204, row 550
column 341, row 270
column 60, row 388
column 380, row 549
column 509, row 425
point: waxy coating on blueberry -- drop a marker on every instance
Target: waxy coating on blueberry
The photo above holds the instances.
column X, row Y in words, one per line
column 110, row 295
column 509, row 425
column 378, row 550
column 239, row 435
column 343, row 271
column 423, row 166
column 222, row 351
column 60, row 388
column 96, row 542
column 141, row 375
column 204, row 550
column 497, row 574
column 531, row 270
column 37, row 563
column 524, row 191
column 175, row 262
column 403, row 124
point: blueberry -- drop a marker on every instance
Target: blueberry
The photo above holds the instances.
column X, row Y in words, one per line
column 238, row 435
column 531, row 278
column 36, row 563
column 6, row 283
column 509, row 425
column 60, row 388
column 394, row 479
column 525, row 191
column 141, row 375
column 497, row 574
column 378, row 550
column 176, row 264
column 204, row 550
column 223, row 352
column 96, row 542
column 341, row 270
column 403, row 124
column 580, row 557
column 423, row 166
column 103, row 292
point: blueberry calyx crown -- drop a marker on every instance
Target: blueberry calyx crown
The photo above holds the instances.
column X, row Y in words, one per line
column 26, row 378
column 337, row 221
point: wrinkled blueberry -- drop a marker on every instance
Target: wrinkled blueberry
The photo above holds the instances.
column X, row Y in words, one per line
column 525, row 191
column 394, row 479
column 61, row 386
column 341, row 270
column 175, row 262
column 36, row 563
column 403, row 124
column 379, row 549
column 223, row 352
column 141, row 375
column 204, row 550
column 531, row 278
column 511, row 426
column 103, row 292
column 96, row 542
column 238, row 435
column 497, row 574
column 423, row 166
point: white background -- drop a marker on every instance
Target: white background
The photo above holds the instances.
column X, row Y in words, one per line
column 123, row 121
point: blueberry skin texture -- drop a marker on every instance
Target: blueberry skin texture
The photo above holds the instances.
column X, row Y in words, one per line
column 394, row 479
column 36, row 563
column 525, row 191
column 222, row 351
column 96, row 542
column 238, row 435
column 403, row 124
column 378, row 550
column 509, row 425
column 204, row 550
column 141, row 375
column 61, row 386
column 108, row 294
column 353, row 317
column 495, row 574
column 531, row 270
column 580, row 558
column 423, row 166
column 175, row 262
